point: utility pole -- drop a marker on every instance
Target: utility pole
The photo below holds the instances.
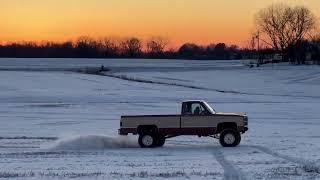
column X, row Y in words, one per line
column 258, row 36
column 258, row 39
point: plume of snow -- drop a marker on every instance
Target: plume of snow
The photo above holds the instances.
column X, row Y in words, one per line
column 89, row 142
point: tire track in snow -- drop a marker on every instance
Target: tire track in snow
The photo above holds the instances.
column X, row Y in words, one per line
column 307, row 165
column 27, row 138
column 230, row 172
column 307, row 77
column 133, row 79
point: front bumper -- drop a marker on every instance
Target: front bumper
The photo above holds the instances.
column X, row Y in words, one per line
column 243, row 129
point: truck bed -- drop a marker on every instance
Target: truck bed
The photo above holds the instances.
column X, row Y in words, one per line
column 161, row 115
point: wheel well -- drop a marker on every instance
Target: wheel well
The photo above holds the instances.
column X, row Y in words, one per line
column 147, row 129
column 226, row 125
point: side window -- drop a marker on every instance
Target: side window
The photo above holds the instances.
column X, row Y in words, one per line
column 193, row 109
column 186, row 109
column 197, row 109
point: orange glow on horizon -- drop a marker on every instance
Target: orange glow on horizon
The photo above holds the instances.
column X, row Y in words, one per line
column 180, row 21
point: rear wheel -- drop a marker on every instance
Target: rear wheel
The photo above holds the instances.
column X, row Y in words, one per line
column 229, row 138
column 147, row 140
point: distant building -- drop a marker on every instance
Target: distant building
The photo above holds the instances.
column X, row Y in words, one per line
column 277, row 58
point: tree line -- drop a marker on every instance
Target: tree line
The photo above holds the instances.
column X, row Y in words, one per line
column 87, row 47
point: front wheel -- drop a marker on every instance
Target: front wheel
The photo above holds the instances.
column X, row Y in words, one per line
column 229, row 138
column 147, row 140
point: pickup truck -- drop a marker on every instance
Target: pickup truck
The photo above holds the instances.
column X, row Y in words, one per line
column 196, row 118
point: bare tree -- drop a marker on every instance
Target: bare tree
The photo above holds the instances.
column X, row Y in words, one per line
column 284, row 25
column 131, row 47
column 314, row 35
column 110, row 47
column 190, row 50
column 85, row 40
column 86, row 46
column 156, row 45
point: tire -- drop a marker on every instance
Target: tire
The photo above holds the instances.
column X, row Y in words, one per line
column 161, row 141
column 230, row 138
column 147, row 140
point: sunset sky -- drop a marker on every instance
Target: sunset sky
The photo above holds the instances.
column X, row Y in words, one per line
column 199, row 21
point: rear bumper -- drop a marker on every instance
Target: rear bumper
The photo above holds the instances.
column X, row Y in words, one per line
column 126, row 131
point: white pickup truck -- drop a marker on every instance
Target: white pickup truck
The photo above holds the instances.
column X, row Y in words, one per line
column 196, row 118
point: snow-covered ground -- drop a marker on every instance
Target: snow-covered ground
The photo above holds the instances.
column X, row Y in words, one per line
column 56, row 123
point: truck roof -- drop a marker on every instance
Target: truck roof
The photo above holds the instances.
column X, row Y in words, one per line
column 193, row 101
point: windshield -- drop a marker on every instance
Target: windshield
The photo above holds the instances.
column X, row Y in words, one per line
column 212, row 111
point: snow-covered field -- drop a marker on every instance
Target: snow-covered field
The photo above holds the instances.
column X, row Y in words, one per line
column 56, row 123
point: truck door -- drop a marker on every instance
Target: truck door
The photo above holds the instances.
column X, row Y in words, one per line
column 195, row 119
